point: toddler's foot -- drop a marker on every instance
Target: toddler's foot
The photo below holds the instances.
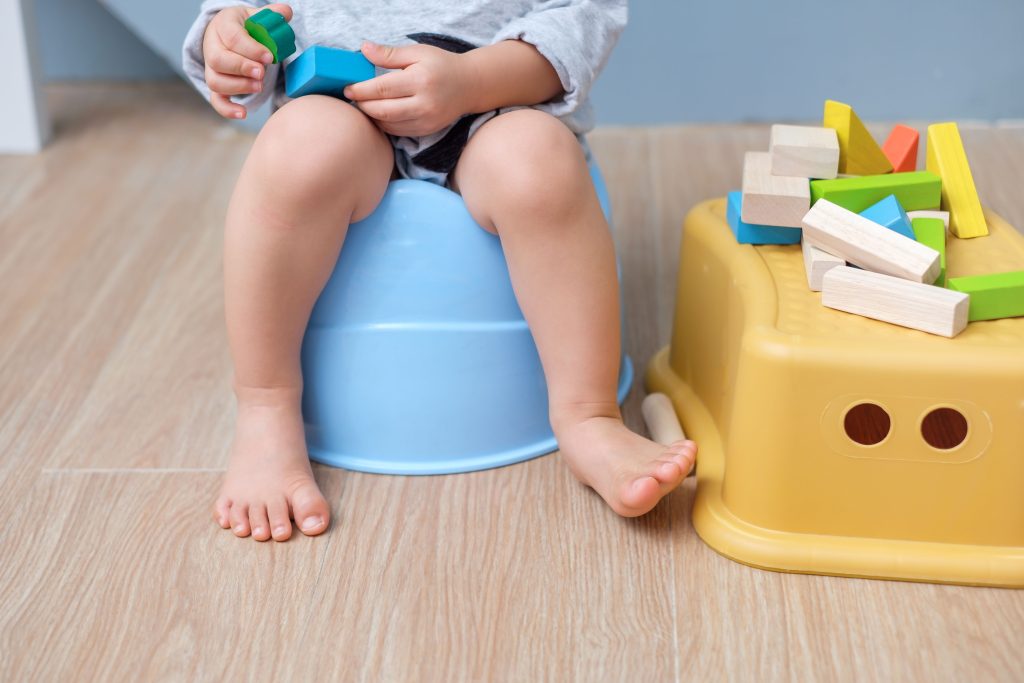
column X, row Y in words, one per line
column 269, row 481
column 630, row 472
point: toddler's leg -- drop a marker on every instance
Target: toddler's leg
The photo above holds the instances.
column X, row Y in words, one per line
column 523, row 175
column 317, row 165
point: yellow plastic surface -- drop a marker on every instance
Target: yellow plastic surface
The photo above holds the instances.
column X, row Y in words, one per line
column 762, row 376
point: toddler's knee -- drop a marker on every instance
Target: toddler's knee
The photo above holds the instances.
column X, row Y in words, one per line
column 533, row 158
column 314, row 142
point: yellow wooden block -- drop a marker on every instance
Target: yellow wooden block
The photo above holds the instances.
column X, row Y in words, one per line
column 948, row 160
column 859, row 154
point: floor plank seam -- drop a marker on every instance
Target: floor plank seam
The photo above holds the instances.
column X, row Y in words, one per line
column 131, row 470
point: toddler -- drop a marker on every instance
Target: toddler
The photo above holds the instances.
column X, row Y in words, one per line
column 486, row 96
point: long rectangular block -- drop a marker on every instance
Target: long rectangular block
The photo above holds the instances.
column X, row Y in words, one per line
column 889, row 213
column 993, row 295
column 867, row 244
column 772, row 199
column 817, row 263
column 946, row 158
column 901, row 148
column 931, row 232
column 941, row 215
column 915, row 191
column 893, row 300
column 805, row 151
column 325, row 71
column 859, row 154
column 749, row 233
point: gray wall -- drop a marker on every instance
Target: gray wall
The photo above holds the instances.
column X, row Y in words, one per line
column 717, row 60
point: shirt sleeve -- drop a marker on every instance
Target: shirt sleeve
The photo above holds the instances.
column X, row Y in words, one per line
column 192, row 54
column 576, row 36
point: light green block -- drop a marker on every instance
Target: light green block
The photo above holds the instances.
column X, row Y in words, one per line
column 993, row 296
column 931, row 232
column 915, row 191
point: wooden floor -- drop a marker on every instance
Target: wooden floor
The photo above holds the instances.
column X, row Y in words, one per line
column 115, row 416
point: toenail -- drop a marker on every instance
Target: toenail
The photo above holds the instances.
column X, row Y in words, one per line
column 240, row 528
column 312, row 523
column 257, row 531
column 279, row 530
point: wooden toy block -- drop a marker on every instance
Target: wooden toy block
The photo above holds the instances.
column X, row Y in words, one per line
column 915, row 191
column 993, row 295
column 889, row 213
column 931, row 232
column 941, row 215
column 772, row 199
column 805, row 151
column 748, row 233
column 894, row 300
column 900, row 148
column 867, row 244
column 817, row 263
column 270, row 29
column 859, row 154
column 660, row 417
column 326, row 71
column 946, row 158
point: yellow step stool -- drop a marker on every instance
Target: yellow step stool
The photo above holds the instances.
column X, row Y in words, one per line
column 775, row 389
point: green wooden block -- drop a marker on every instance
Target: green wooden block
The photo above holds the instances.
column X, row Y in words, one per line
column 915, row 191
column 993, row 296
column 931, row 232
column 269, row 28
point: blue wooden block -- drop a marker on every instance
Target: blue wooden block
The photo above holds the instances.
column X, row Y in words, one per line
column 749, row 233
column 325, row 71
column 889, row 212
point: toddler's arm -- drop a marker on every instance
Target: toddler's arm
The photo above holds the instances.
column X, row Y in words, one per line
column 223, row 61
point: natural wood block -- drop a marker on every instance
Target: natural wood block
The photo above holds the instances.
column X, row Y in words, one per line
column 806, row 151
column 946, row 158
column 859, row 154
column 931, row 232
column 941, row 215
column 772, row 199
column 914, row 191
column 931, row 309
column 900, row 148
column 867, row 244
column 661, row 419
column 993, row 295
column 748, row 233
column 817, row 263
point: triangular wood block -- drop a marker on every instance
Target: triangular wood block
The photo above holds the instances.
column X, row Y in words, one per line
column 901, row 148
column 859, row 154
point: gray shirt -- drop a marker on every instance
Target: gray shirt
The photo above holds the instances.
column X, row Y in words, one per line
column 576, row 36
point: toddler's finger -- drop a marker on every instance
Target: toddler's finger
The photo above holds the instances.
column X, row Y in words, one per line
column 392, row 56
column 279, row 7
column 225, row 107
column 384, row 87
column 236, row 39
column 234, row 64
column 231, row 85
column 390, row 111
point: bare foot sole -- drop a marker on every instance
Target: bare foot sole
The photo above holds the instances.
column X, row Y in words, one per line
column 630, row 472
column 269, row 481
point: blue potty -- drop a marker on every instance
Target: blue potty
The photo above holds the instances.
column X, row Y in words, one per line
column 417, row 359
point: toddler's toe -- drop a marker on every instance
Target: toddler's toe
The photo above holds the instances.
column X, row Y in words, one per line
column 259, row 523
column 310, row 509
column 222, row 512
column 240, row 520
column 280, row 522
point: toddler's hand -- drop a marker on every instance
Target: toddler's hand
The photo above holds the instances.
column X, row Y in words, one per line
column 235, row 63
column 427, row 94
